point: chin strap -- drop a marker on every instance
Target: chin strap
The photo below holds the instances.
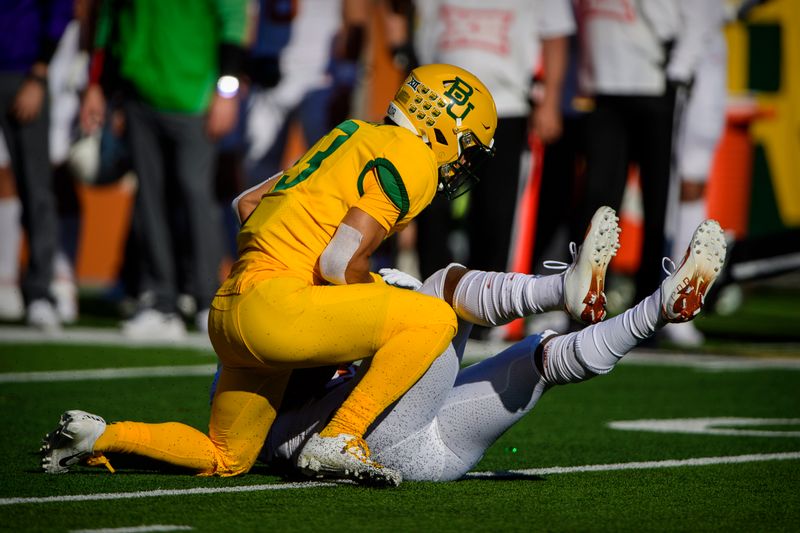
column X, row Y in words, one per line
column 399, row 117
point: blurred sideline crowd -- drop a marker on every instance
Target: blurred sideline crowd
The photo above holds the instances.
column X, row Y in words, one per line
column 196, row 99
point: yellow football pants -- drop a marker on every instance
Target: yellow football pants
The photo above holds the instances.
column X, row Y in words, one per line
column 281, row 324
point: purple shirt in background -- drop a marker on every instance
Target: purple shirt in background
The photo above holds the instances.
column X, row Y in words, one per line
column 30, row 31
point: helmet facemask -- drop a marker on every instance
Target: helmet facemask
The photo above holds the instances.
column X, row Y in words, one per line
column 459, row 176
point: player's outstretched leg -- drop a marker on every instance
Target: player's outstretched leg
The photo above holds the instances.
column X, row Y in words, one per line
column 507, row 386
column 71, row 442
column 597, row 348
column 584, row 280
column 496, row 298
column 344, row 456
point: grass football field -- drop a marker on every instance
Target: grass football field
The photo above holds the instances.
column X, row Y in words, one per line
column 563, row 468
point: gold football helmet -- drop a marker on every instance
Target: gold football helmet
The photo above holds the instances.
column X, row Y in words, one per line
column 453, row 112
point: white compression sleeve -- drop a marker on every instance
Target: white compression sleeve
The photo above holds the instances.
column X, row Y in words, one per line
column 434, row 285
column 597, row 348
column 337, row 255
column 496, row 298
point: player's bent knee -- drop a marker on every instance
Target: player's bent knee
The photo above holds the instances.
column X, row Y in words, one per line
column 438, row 314
column 416, row 310
column 229, row 465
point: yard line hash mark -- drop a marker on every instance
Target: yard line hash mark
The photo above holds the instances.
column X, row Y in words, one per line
column 698, row 461
column 136, row 529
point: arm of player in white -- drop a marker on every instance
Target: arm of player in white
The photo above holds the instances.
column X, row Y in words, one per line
column 400, row 279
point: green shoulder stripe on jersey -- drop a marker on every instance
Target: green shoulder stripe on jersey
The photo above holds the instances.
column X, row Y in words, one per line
column 348, row 127
column 391, row 183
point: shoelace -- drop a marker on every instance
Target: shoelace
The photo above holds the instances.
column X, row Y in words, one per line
column 666, row 261
column 100, row 459
column 357, row 447
column 560, row 265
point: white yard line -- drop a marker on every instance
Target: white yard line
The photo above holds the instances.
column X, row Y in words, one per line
column 475, row 350
column 164, row 492
column 109, row 373
column 699, row 461
column 135, row 529
column 711, row 363
column 95, row 336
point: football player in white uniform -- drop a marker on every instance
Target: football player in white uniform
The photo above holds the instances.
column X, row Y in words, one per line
column 443, row 425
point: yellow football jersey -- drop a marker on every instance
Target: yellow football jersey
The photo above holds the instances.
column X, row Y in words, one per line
column 386, row 171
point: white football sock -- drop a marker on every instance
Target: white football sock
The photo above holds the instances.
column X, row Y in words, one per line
column 434, row 285
column 10, row 239
column 496, row 298
column 597, row 348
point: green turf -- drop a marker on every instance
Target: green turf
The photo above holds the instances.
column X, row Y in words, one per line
column 27, row 358
column 568, row 427
column 766, row 314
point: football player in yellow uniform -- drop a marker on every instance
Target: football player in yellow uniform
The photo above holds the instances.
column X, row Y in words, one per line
column 301, row 293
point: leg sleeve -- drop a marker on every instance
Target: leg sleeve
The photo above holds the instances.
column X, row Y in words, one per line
column 242, row 411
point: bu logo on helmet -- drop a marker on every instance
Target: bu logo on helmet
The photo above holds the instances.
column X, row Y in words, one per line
column 459, row 92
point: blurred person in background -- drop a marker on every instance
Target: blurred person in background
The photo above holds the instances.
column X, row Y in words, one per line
column 302, row 67
column 638, row 60
column 29, row 34
column 560, row 188
column 503, row 43
column 177, row 64
column 67, row 77
column 12, row 305
column 701, row 129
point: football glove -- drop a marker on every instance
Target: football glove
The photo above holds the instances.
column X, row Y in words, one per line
column 398, row 278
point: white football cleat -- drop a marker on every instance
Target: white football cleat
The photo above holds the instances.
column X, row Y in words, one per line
column 151, row 324
column 12, row 306
column 344, row 456
column 42, row 314
column 72, row 441
column 683, row 292
column 683, row 334
column 584, row 280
